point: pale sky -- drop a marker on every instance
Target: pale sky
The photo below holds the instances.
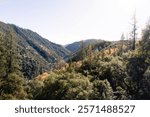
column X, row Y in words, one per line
column 66, row 21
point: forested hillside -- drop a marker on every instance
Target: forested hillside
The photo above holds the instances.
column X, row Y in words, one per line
column 106, row 70
column 74, row 47
column 118, row 71
column 36, row 53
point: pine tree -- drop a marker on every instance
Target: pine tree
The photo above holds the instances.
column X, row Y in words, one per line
column 146, row 38
column 134, row 32
column 83, row 53
column 2, row 56
column 11, row 84
column 122, row 42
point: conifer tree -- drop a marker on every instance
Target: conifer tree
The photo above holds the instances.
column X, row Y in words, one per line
column 82, row 51
column 146, row 38
column 11, row 84
column 2, row 56
column 134, row 32
column 122, row 43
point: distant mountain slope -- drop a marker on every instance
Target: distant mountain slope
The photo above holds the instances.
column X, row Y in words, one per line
column 37, row 53
column 105, row 47
column 97, row 46
column 73, row 47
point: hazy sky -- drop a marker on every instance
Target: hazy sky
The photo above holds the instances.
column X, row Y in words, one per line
column 66, row 21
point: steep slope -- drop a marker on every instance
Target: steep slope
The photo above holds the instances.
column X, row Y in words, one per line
column 37, row 54
column 73, row 47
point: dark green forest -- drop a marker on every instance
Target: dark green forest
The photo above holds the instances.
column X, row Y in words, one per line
column 119, row 71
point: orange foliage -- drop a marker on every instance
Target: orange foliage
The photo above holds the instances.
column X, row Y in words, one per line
column 110, row 51
column 42, row 77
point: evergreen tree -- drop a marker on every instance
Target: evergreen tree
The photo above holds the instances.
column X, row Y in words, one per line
column 122, row 44
column 83, row 53
column 146, row 38
column 11, row 86
column 102, row 90
column 65, row 85
column 134, row 32
column 2, row 56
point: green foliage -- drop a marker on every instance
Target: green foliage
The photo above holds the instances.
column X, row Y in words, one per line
column 11, row 80
column 138, row 81
column 99, row 75
column 111, row 68
column 134, row 32
column 146, row 38
column 137, row 66
column 120, row 94
column 37, row 53
column 102, row 90
column 2, row 56
column 66, row 86
column 145, row 85
column 12, row 87
column 34, row 89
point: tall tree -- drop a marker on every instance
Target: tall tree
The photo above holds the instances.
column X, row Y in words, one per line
column 11, row 83
column 2, row 56
column 83, row 54
column 122, row 43
column 134, row 31
column 146, row 38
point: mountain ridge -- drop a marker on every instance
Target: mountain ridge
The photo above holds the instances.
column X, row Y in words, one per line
column 37, row 53
column 75, row 46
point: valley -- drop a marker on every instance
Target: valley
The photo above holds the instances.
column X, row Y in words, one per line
column 32, row 67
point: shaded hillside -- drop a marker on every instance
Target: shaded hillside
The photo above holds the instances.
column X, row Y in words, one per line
column 73, row 47
column 37, row 54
